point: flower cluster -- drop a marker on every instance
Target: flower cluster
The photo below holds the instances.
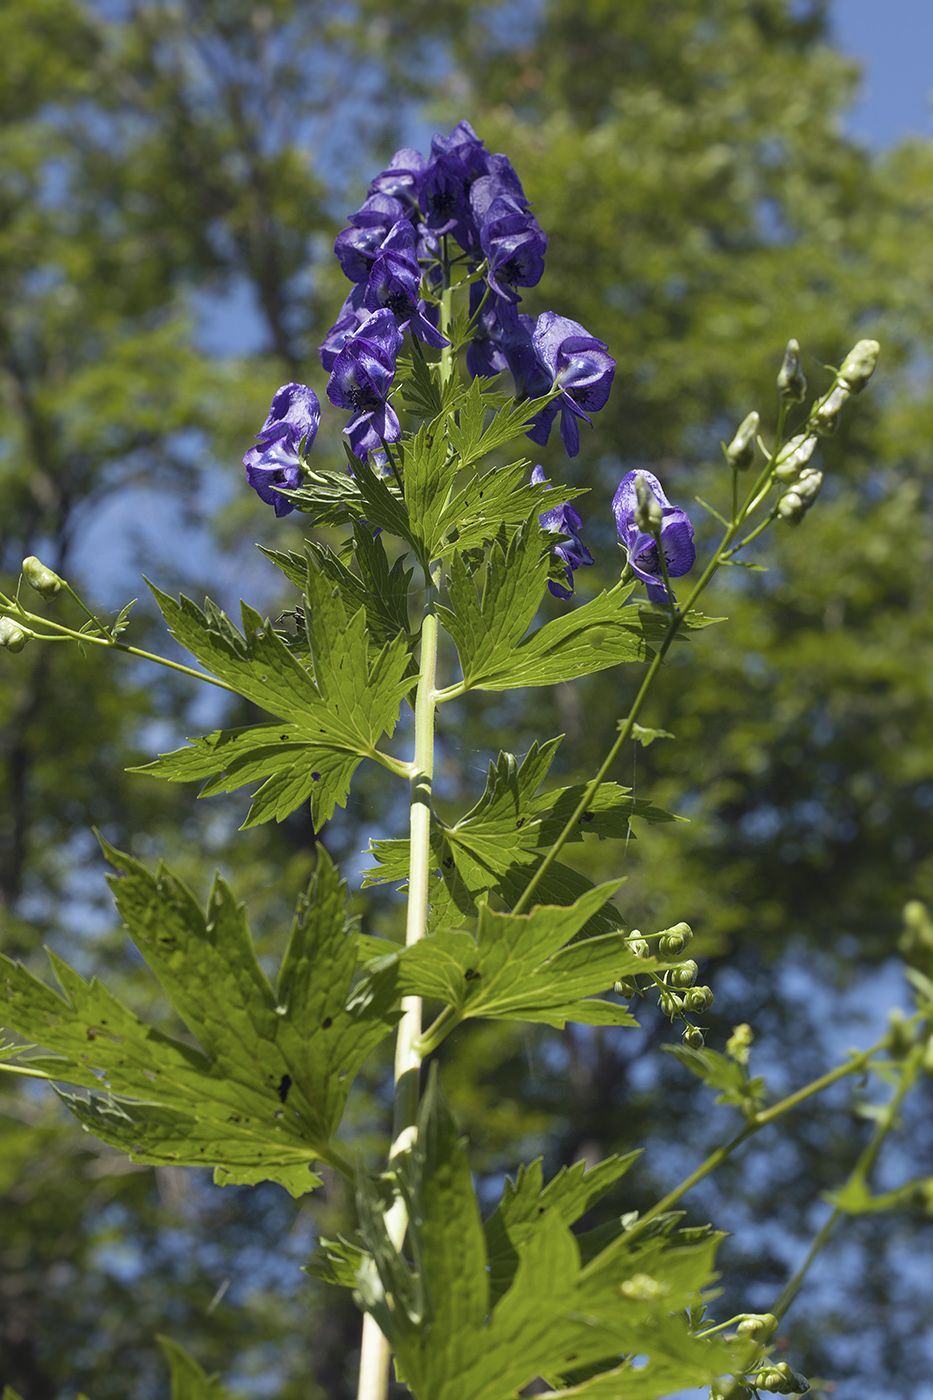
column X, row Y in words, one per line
column 457, row 216
column 460, row 211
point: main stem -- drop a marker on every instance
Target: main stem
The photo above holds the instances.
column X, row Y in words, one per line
column 375, row 1352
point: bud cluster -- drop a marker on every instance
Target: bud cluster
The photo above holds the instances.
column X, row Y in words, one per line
column 678, row 995
column 781, row 1380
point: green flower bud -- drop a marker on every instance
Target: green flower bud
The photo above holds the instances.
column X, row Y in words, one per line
column 694, row 1038
column 674, row 940
column 685, row 975
column 41, row 578
column 649, row 515
column 12, row 636
column 739, row 1043
column 741, row 450
column 916, row 942
column 670, row 1004
column 794, row 456
column 625, row 988
column 791, row 382
column 859, row 365
column 795, row 503
column 761, row 1326
column 637, row 944
column 826, row 411
column 900, row 1038
column 781, row 1379
column 698, row 999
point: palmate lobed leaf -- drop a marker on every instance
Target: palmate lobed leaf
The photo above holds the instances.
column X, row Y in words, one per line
column 490, row 631
column 333, row 714
column 525, row 967
column 263, row 1092
column 454, row 1339
column 501, row 841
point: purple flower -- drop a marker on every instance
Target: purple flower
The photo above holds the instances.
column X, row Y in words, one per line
column 580, row 366
column 501, row 180
column 349, row 318
column 676, row 536
column 456, row 162
column 514, row 245
column 274, row 461
column 563, row 520
column 402, row 177
column 361, row 379
column 495, row 324
column 395, row 282
column 356, row 247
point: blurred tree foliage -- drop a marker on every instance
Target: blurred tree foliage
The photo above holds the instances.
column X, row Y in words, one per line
column 687, row 159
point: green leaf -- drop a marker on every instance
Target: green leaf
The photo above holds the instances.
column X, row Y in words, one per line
column 500, row 843
column 189, row 1382
column 571, row 1193
column 555, row 1316
column 726, row 1075
column 524, row 966
column 646, row 737
column 489, row 632
column 262, row 1093
column 472, row 438
column 333, row 714
column 855, row 1198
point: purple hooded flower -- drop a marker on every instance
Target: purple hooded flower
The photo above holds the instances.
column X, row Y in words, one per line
column 349, row 318
column 501, row 180
column 456, row 162
column 356, row 247
column 495, row 324
column 395, row 282
column 274, row 461
column 563, row 520
column 676, row 536
column 514, row 245
column 580, row 366
column 361, row 379
column 402, row 177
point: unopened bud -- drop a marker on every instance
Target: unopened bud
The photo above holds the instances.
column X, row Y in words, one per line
column 637, row 944
column 916, row 942
column 859, row 365
column 825, row 414
column 761, row 1326
column 741, row 450
column 685, row 974
column 694, row 1038
column 795, row 503
column 624, row 988
column 649, row 515
column 739, row 1043
column 781, row 1379
column 900, row 1037
column 40, row 577
column 698, row 999
column 794, row 456
column 11, row 635
column 792, row 384
column 674, row 940
column 670, row 1004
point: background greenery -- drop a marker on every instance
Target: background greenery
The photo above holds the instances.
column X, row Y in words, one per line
column 172, row 176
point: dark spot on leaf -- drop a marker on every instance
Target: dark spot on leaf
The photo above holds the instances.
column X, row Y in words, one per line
column 587, row 817
column 520, row 823
column 326, row 1023
column 448, row 863
column 471, row 974
column 91, row 1033
column 279, row 1113
column 283, row 737
column 285, row 1083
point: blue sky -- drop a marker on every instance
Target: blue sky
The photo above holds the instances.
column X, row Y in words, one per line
column 893, row 39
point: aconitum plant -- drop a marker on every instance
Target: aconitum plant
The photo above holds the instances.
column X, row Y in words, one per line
column 499, row 924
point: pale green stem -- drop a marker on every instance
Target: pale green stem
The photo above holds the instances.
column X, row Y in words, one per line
column 375, row 1352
